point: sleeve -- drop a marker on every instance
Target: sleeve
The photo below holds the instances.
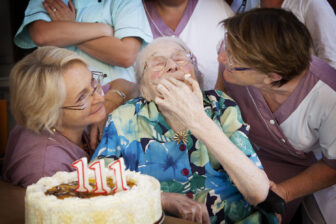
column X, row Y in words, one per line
column 34, row 11
column 129, row 20
column 120, row 137
column 235, row 128
column 320, row 20
column 328, row 138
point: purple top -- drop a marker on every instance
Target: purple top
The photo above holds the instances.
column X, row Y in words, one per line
column 30, row 156
column 158, row 26
column 279, row 158
column 271, row 144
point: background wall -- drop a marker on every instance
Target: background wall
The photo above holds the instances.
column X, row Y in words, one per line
column 11, row 16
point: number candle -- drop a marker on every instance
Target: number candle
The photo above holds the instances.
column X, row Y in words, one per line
column 100, row 176
column 118, row 168
column 82, row 175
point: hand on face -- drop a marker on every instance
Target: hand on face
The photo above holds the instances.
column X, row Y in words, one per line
column 184, row 207
column 58, row 11
column 182, row 100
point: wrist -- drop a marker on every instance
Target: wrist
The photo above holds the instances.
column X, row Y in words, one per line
column 200, row 120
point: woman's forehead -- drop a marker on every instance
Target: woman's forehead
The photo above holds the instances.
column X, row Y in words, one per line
column 164, row 49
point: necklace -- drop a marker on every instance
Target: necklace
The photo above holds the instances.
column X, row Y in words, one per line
column 181, row 136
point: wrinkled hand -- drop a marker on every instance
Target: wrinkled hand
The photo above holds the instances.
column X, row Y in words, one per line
column 183, row 102
column 58, row 11
column 184, row 207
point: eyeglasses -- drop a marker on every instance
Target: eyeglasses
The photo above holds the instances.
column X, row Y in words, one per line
column 222, row 47
column 158, row 63
column 82, row 102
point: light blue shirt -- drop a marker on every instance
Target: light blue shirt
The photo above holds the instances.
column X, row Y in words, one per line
column 127, row 17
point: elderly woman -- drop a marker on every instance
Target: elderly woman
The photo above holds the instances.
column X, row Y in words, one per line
column 54, row 97
column 208, row 158
column 289, row 99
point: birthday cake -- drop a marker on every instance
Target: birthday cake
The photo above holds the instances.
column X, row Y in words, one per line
column 55, row 200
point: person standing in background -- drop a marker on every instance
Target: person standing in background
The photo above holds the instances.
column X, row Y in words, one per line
column 196, row 22
column 107, row 33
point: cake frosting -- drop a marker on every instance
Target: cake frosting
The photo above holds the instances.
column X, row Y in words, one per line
column 44, row 203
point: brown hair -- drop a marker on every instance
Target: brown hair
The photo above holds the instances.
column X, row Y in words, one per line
column 270, row 40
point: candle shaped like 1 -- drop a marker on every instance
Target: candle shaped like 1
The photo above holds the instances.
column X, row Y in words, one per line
column 118, row 168
column 82, row 175
column 100, row 176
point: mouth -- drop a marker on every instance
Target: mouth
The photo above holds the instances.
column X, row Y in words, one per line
column 98, row 109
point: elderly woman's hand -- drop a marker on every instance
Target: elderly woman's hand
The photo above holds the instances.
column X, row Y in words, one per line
column 58, row 11
column 184, row 207
column 182, row 101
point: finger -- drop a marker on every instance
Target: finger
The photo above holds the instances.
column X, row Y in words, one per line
column 198, row 214
column 188, row 214
column 205, row 215
column 48, row 8
column 159, row 101
column 194, row 84
column 60, row 4
column 51, row 4
column 71, row 6
column 167, row 84
column 163, row 90
column 193, row 212
column 175, row 81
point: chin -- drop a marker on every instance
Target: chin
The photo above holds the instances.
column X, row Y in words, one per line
column 99, row 114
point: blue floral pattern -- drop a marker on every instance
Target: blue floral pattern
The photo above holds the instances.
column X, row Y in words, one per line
column 138, row 132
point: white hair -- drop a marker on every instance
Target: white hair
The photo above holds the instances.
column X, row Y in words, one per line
column 148, row 50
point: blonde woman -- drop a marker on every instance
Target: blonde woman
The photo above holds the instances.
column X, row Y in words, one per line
column 54, row 97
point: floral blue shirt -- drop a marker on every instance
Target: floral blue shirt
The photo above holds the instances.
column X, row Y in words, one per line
column 139, row 133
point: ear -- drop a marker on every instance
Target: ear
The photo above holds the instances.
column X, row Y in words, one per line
column 144, row 92
column 221, row 57
column 272, row 77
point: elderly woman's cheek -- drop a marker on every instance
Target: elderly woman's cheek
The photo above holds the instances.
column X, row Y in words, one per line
column 154, row 76
column 189, row 68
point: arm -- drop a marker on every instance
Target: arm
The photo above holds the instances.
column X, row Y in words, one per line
column 112, row 50
column 61, row 33
column 314, row 178
column 112, row 101
column 251, row 181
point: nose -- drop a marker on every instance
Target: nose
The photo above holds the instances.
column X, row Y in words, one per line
column 98, row 96
column 171, row 66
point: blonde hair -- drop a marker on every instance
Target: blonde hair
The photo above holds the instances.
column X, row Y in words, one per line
column 37, row 87
column 159, row 42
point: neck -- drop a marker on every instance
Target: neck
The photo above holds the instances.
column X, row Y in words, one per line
column 276, row 96
column 271, row 3
column 171, row 11
column 74, row 135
